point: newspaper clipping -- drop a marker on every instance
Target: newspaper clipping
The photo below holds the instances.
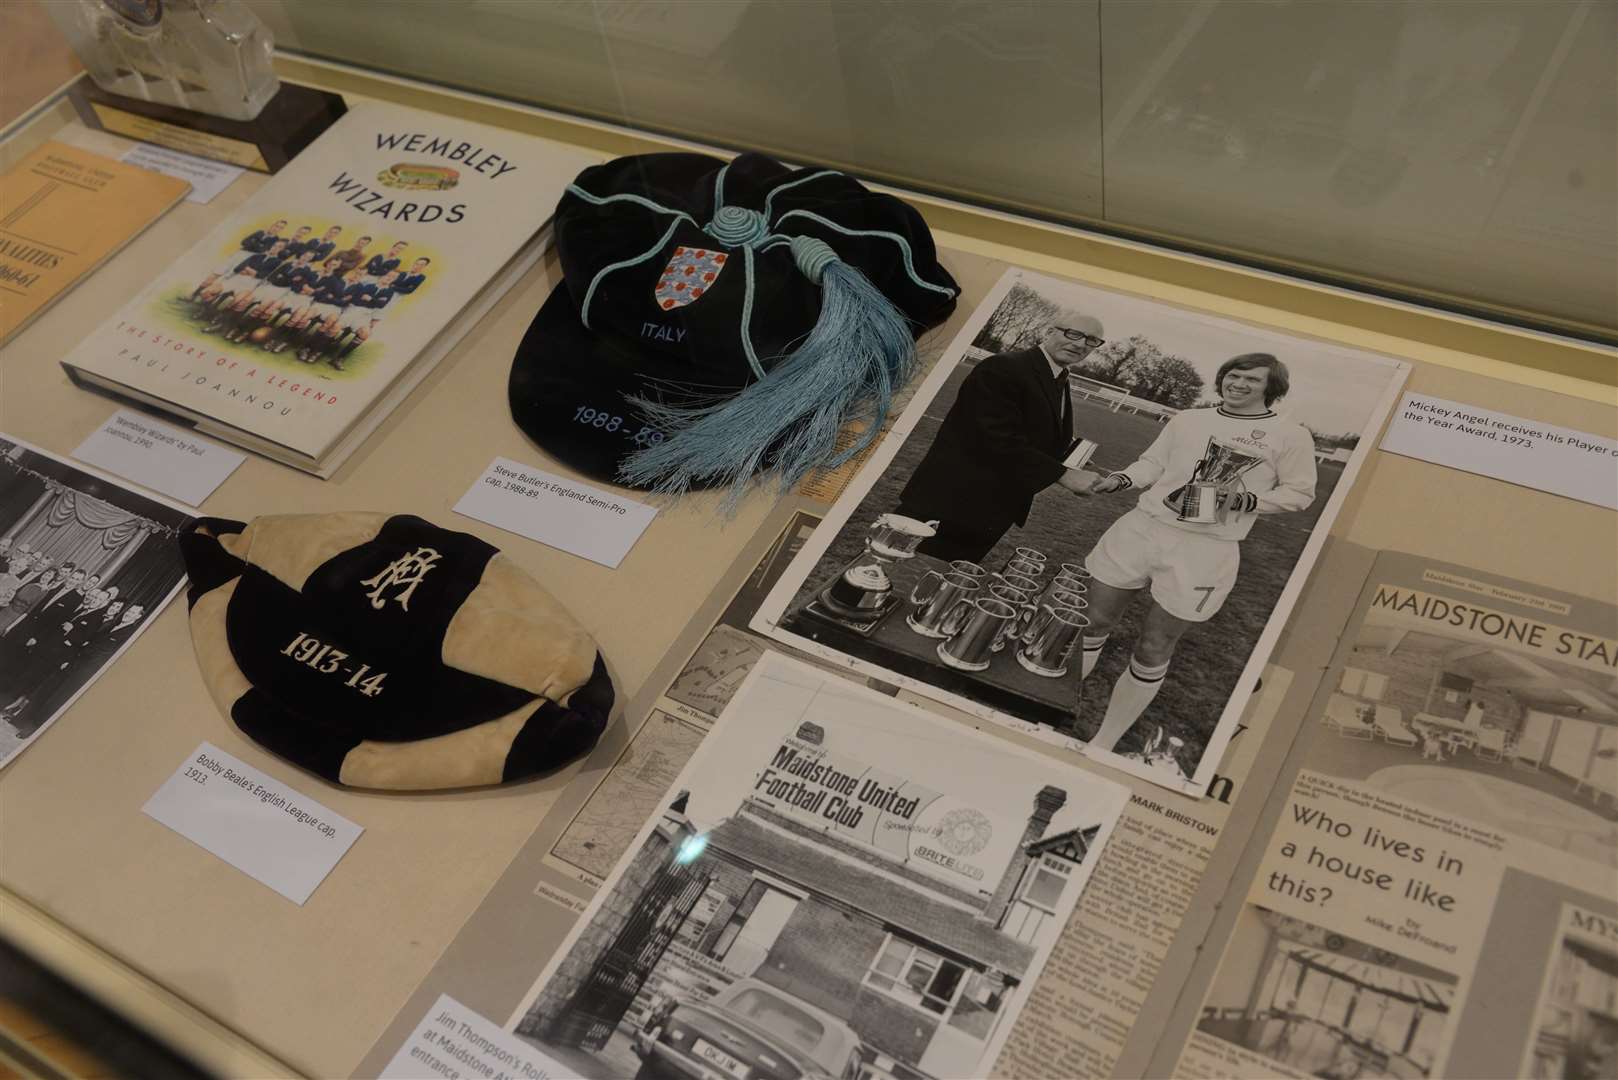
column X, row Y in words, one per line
column 1091, row 522
column 839, row 882
column 1447, row 851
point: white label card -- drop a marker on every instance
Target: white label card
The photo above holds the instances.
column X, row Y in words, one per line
column 260, row 826
column 452, row 1040
column 176, row 462
column 207, row 178
column 1574, row 464
column 587, row 521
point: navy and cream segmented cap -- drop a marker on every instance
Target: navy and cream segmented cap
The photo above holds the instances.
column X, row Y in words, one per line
column 717, row 320
column 386, row 652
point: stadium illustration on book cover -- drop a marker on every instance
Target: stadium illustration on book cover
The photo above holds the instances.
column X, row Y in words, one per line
column 823, row 895
column 1092, row 522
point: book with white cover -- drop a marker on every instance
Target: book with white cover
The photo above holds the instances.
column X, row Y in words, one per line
column 295, row 326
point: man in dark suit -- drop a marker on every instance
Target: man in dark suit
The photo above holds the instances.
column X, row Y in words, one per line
column 64, row 600
column 69, row 659
column 1001, row 443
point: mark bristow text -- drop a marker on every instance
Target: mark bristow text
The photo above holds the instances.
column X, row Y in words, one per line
column 201, row 367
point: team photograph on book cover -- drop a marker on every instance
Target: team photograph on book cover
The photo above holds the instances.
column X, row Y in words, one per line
column 299, row 321
column 303, row 293
column 824, row 892
column 1092, row 521
column 85, row 563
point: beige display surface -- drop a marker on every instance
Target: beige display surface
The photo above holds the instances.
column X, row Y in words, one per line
column 315, row 986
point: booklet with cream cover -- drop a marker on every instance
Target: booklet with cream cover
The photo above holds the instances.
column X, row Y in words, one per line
column 296, row 325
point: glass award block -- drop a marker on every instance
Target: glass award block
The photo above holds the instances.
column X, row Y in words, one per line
column 209, row 56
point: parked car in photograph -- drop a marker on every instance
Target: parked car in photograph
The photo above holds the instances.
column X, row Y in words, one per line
column 748, row 1031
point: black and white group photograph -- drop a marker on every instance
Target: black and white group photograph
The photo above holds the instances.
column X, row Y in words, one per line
column 1326, row 1004
column 85, row 564
column 1092, row 521
column 838, row 885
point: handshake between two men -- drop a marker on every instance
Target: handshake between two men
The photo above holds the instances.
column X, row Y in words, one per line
column 1204, row 479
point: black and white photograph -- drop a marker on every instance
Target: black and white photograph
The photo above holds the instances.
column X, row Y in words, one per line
column 837, row 884
column 1092, row 521
column 1485, row 699
column 85, row 564
column 1576, row 1026
column 1325, row 1004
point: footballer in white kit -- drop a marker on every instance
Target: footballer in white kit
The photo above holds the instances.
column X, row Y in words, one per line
column 1190, row 567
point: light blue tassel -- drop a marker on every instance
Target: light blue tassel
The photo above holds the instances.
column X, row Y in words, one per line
column 787, row 424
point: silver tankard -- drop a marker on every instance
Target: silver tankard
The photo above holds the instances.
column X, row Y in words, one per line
column 1064, row 583
column 1010, row 594
column 1016, row 581
column 1037, row 611
column 930, row 609
column 1024, row 567
column 1022, row 599
column 1050, row 641
column 975, row 629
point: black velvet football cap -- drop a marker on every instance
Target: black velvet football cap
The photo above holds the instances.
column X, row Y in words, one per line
column 716, row 320
column 386, row 652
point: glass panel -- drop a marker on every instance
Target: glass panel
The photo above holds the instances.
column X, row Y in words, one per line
column 921, row 973
column 978, row 1006
column 1464, row 147
column 1312, row 993
column 1367, row 1015
column 892, row 958
column 1338, row 998
column 1464, row 150
column 944, row 985
column 1044, row 888
column 1575, row 740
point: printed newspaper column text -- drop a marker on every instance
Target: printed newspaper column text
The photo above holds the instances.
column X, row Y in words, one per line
column 1364, row 890
column 1105, row 963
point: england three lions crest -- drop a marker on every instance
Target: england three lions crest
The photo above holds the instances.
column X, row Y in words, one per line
column 690, row 273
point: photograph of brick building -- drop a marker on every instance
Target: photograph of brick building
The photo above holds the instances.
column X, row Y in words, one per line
column 810, row 903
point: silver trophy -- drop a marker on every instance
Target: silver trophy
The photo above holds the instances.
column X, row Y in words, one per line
column 1218, row 473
